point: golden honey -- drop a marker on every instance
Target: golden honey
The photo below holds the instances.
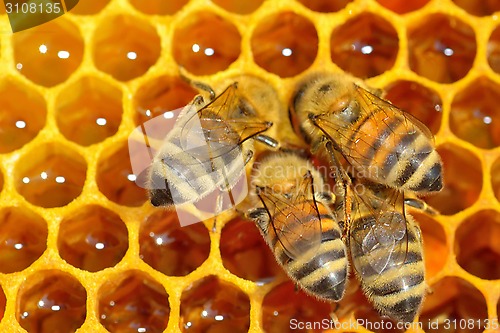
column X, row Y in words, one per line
column 83, row 250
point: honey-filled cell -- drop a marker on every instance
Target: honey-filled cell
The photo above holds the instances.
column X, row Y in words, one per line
column 89, row 111
column 160, row 95
column 89, row 7
column 463, row 177
column 453, row 300
column 495, row 178
column 325, row 6
column 125, row 47
column 278, row 44
column 19, row 122
column 441, row 48
column 477, row 248
column 479, row 8
column 365, row 46
column 51, row 175
column 239, row 7
column 435, row 245
column 48, row 54
column 474, row 115
column 23, row 238
column 205, row 43
column 245, row 253
column 51, row 301
column 170, row 248
column 158, row 7
column 214, row 305
column 92, row 238
column 403, row 6
column 284, row 305
column 115, row 178
column 493, row 50
column 132, row 301
column 423, row 103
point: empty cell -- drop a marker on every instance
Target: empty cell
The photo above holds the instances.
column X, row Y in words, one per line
column 284, row 306
column 46, row 58
column 285, row 44
column 23, row 238
column 245, row 253
column 441, row 48
column 477, row 248
column 325, row 6
column 89, row 111
column 451, row 305
column 403, row 6
column 463, row 177
column 125, row 47
column 239, row 7
column 474, row 115
column 51, row 301
column 20, row 122
column 92, row 238
column 421, row 102
column 132, row 301
column 206, row 43
column 158, row 7
column 3, row 303
column 479, row 8
column 365, row 46
column 160, row 95
column 89, row 7
column 495, row 178
column 115, row 178
column 170, row 248
column 214, row 305
column 435, row 246
column 51, row 175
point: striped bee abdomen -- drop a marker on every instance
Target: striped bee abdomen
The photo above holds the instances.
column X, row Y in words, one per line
column 398, row 289
column 321, row 271
column 395, row 152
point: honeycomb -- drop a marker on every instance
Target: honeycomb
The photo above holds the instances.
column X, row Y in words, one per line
column 82, row 249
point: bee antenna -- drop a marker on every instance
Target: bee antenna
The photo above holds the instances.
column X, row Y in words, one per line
column 312, row 116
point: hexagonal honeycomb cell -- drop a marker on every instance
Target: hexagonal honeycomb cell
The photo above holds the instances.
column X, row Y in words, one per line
column 20, row 123
column 474, row 116
column 365, row 46
column 92, row 238
column 48, row 54
column 133, row 301
column 89, row 111
column 441, row 48
column 170, row 248
column 23, row 238
column 278, row 44
column 83, row 250
column 214, row 305
column 125, row 48
column 51, row 175
column 51, row 301
column 206, row 43
column 478, row 251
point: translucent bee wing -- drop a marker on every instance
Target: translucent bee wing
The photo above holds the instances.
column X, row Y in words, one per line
column 219, row 127
column 295, row 218
column 373, row 102
column 378, row 236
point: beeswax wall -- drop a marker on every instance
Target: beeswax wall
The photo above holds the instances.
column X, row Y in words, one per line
column 82, row 249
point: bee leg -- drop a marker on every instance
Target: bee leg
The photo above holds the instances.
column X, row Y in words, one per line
column 248, row 157
column 267, row 140
column 421, row 205
column 196, row 84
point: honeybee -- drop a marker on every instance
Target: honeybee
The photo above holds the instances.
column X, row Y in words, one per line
column 294, row 218
column 211, row 142
column 384, row 143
